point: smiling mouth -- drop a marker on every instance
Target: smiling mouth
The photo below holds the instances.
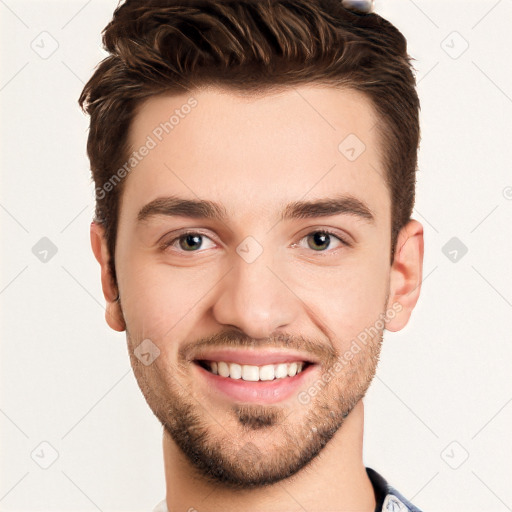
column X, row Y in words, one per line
column 253, row 373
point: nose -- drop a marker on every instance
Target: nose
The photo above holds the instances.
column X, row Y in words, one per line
column 257, row 298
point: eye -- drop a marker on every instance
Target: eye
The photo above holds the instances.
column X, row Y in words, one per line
column 193, row 241
column 320, row 241
column 189, row 241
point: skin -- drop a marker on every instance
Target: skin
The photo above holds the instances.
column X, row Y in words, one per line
column 253, row 156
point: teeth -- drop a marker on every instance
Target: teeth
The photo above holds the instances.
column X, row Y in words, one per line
column 281, row 371
column 223, row 369
column 266, row 372
column 292, row 369
column 235, row 371
column 253, row 373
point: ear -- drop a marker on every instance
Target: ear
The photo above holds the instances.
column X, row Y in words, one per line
column 406, row 275
column 113, row 313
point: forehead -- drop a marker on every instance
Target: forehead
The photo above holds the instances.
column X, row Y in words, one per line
column 301, row 143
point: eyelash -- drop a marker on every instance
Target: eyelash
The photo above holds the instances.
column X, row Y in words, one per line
column 166, row 245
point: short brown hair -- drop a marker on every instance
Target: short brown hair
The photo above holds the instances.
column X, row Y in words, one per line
column 250, row 47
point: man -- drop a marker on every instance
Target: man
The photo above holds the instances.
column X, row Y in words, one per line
column 254, row 164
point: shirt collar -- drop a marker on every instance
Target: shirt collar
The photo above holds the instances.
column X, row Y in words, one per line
column 387, row 498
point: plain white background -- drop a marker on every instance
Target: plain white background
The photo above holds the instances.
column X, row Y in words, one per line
column 439, row 412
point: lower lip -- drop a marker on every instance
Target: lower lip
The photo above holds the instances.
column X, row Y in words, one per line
column 268, row 392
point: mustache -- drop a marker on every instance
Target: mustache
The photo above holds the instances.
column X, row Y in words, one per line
column 232, row 338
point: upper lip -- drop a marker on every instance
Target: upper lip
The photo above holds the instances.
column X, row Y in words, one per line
column 255, row 357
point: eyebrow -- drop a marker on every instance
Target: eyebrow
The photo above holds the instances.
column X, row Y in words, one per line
column 203, row 209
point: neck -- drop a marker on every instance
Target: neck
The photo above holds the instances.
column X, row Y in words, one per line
column 335, row 480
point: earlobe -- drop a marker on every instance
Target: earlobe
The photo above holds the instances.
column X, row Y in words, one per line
column 113, row 313
column 406, row 275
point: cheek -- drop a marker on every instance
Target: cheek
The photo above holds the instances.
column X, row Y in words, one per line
column 160, row 301
column 350, row 298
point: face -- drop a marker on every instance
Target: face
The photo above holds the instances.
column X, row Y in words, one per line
column 253, row 242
